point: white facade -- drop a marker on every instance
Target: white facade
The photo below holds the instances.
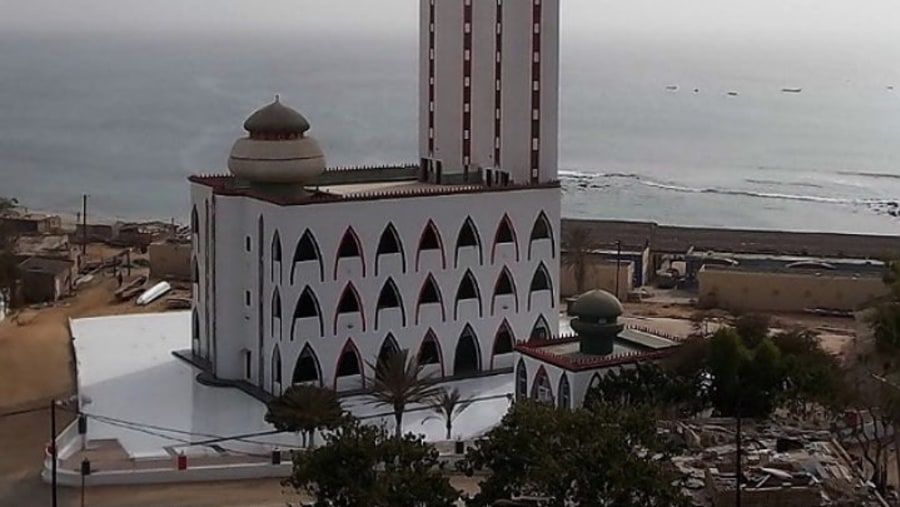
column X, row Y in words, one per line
column 243, row 333
column 489, row 89
column 551, row 383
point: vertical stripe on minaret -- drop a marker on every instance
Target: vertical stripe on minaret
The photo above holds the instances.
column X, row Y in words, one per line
column 467, row 88
column 536, row 91
column 498, row 83
column 431, row 56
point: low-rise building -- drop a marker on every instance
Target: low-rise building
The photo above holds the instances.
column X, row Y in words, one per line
column 46, row 279
column 30, row 223
column 171, row 260
column 43, row 245
column 561, row 370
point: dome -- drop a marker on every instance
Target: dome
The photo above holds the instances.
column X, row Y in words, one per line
column 276, row 118
column 597, row 305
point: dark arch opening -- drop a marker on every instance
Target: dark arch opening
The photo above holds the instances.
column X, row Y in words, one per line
column 430, row 293
column 431, row 240
column 505, row 286
column 468, row 237
column 390, row 243
column 350, row 247
column 388, row 298
column 521, row 380
column 388, row 349
column 467, row 359
column 308, row 250
column 350, row 302
column 349, row 362
column 541, row 330
column 504, row 341
column 308, row 306
column 468, row 289
column 565, row 392
column 541, row 389
column 276, row 256
column 195, row 325
column 195, row 271
column 541, row 281
column 276, row 370
column 195, row 221
column 430, row 351
column 506, row 234
column 307, row 368
column 276, row 314
column 542, row 230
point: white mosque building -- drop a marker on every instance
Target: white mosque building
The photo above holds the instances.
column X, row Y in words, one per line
column 305, row 274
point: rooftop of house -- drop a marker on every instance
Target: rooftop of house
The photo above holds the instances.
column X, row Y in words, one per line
column 355, row 184
column 45, row 265
column 41, row 243
column 810, row 268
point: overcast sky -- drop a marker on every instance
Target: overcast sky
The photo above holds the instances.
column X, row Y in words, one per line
column 844, row 18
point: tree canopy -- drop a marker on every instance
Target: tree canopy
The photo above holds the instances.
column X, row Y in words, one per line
column 305, row 408
column 364, row 466
column 397, row 382
column 610, row 456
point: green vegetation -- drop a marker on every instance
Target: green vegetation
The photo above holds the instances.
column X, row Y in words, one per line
column 305, row 408
column 397, row 383
column 8, row 272
column 448, row 405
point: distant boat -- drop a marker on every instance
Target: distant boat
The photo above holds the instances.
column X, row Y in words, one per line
column 672, row 88
column 154, row 293
column 733, row 94
column 792, row 90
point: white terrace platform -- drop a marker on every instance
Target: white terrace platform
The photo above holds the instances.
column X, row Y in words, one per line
column 145, row 405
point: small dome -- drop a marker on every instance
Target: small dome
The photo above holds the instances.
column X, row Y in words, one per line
column 597, row 304
column 276, row 118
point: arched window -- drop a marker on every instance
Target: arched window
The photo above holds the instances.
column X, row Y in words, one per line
column 542, row 230
column 276, row 315
column 468, row 237
column 565, row 393
column 389, row 347
column 195, row 221
column 468, row 290
column 430, row 293
column 431, row 240
column 541, row 281
column 389, row 298
column 276, row 372
column 349, row 363
column 521, row 380
column 350, row 248
column 195, row 331
column 541, row 330
column 307, row 250
column 430, row 350
column 467, row 360
column 195, row 271
column 541, row 389
column 390, row 244
column 505, row 234
column 350, row 302
column 308, row 307
column 504, row 341
column 307, row 368
column 505, row 286
column 276, row 257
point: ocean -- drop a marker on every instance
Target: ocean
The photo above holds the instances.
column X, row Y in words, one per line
column 127, row 119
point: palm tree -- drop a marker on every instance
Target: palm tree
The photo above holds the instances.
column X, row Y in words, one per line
column 578, row 243
column 398, row 382
column 448, row 405
column 305, row 408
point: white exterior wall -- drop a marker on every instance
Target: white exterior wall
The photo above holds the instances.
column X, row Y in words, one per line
column 236, row 324
column 515, row 78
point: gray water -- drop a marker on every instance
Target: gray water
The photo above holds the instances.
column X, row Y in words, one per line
column 127, row 119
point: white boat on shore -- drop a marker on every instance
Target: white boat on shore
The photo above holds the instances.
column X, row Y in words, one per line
column 154, row 293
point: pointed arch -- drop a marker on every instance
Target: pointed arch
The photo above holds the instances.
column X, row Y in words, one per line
column 307, row 367
column 276, row 325
column 350, row 247
column 542, row 230
column 467, row 359
column 349, row 363
column 349, row 302
column 430, row 293
column 195, row 221
column 195, row 330
column 468, row 289
column 564, row 392
column 389, row 244
column 195, row 271
column 276, row 256
column 389, row 298
column 389, row 347
column 541, row 388
column 541, row 281
column 505, row 286
column 276, row 372
column 308, row 250
column 504, row 341
column 541, row 330
column 430, row 351
column 468, row 237
column 308, row 306
column 521, row 380
column 505, row 234
column 431, row 240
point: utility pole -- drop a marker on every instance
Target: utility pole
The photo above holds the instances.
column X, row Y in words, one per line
column 618, row 264
column 84, row 224
column 53, row 449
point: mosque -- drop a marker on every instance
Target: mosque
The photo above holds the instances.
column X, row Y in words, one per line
column 307, row 274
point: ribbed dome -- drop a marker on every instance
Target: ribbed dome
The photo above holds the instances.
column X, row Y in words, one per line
column 597, row 305
column 276, row 118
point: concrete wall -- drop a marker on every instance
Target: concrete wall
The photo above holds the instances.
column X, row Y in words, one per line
column 38, row 287
column 599, row 274
column 231, row 275
column 785, row 292
column 170, row 261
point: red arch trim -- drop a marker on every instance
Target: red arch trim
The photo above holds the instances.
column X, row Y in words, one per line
column 440, row 298
column 350, row 345
column 430, row 335
column 515, row 236
column 437, row 233
column 512, row 282
column 362, row 254
column 359, row 304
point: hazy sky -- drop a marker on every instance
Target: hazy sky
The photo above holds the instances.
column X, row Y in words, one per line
column 783, row 18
